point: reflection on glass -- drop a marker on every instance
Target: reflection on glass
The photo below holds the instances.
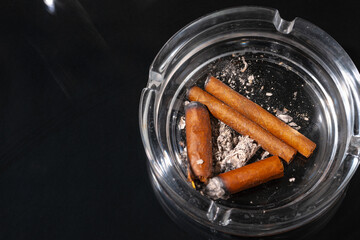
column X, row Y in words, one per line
column 50, row 5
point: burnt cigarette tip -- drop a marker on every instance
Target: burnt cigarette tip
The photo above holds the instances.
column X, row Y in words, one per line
column 194, row 105
column 207, row 80
column 216, row 189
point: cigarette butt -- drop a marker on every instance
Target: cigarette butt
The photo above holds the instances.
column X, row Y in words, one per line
column 198, row 140
column 252, row 175
column 243, row 125
column 260, row 116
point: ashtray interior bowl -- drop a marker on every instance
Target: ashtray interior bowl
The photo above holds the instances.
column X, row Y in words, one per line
column 287, row 58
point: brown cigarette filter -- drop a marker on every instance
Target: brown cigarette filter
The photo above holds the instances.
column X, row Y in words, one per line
column 243, row 125
column 260, row 116
column 198, row 140
column 252, row 175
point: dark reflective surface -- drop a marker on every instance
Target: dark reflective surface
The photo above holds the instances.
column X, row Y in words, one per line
column 72, row 165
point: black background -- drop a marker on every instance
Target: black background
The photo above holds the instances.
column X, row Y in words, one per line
column 72, row 165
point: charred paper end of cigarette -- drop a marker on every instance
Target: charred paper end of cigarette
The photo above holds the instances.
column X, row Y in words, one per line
column 198, row 141
column 249, row 176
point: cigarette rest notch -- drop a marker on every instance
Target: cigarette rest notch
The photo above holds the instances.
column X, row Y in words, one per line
column 282, row 25
column 221, row 216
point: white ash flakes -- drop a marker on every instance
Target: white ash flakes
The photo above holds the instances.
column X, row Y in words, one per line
column 181, row 124
column 232, row 151
column 199, row 162
column 243, row 69
column 294, row 94
column 214, row 189
column 304, row 116
column 283, row 116
column 264, row 155
column 250, row 81
column 294, row 125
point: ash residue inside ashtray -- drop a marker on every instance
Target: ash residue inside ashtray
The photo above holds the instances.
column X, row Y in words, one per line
column 262, row 86
column 231, row 150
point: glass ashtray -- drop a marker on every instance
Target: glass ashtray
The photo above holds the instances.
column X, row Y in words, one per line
column 291, row 65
